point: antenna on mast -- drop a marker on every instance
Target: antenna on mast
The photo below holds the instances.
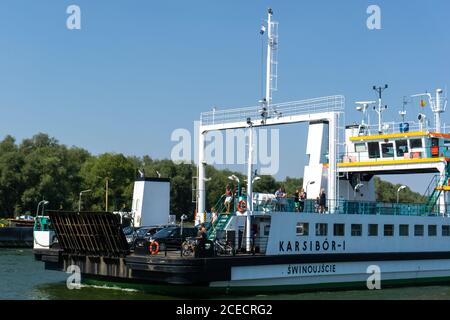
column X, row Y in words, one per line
column 380, row 109
column 271, row 66
column 402, row 112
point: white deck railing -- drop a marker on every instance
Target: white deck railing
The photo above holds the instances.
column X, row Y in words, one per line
column 310, row 106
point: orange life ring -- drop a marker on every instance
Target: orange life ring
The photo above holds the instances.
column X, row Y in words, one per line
column 242, row 206
column 154, row 248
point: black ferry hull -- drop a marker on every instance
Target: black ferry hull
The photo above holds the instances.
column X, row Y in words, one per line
column 220, row 273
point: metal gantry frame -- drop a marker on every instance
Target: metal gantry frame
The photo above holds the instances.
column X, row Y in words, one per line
column 329, row 109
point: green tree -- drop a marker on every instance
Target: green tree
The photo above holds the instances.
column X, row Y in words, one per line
column 120, row 173
column 11, row 182
column 387, row 192
column 49, row 171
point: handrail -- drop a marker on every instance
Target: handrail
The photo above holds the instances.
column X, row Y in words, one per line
column 431, row 186
column 353, row 207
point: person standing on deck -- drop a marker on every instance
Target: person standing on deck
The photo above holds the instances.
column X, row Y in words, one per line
column 228, row 197
column 303, row 197
column 322, row 201
column 281, row 199
column 297, row 200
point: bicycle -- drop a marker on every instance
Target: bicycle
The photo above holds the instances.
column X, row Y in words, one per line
column 188, row 247
column 223, row 248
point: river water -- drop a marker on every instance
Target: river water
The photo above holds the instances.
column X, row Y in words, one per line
column 22, row 278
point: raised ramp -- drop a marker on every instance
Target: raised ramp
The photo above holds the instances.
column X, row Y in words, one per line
column 89, row 233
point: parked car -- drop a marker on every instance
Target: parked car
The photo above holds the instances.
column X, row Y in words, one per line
column 130, row 234
column 143, row 235
column 170, row 238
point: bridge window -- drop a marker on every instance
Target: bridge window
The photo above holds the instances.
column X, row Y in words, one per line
column 374, row 150
column 387, row 150
column 418, row 230
column 321, row 229
column 356, row 230
column 388, row 230
column 416, row 143
column 360, row 147
column 402, row 147
column 446, row 231
column 432, row 230
column 339, row 230
column 373, row 230
column 404, row 230
column 302, row 229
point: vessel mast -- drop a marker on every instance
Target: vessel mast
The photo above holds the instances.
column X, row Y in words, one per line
column 437, row 105
column 271, row 60
column 380, row 109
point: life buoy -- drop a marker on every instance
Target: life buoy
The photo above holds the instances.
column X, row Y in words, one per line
column 154, row 248
column 242, row 206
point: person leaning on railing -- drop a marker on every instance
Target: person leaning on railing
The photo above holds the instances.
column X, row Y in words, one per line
column 281, row 196
column 297, row 200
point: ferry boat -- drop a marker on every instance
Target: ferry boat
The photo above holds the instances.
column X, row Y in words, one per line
column 18, row 233
column 276, row 247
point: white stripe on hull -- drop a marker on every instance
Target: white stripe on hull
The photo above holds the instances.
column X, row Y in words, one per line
column 342, row 272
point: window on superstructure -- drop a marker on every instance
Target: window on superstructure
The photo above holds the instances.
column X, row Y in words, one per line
column 356, row 230
column 302, row 229
column 374, row 150
column 387, row 150
column 388, row 230
column 373, row 230
column 339, row 230
column 404, row 230
column 446, row 231
column 418, row 230
column 402, row 147
column 360, row 147
column 415, row 143
column 432, row 230
column 321, row 229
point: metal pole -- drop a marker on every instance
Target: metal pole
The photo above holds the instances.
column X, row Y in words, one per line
column 332, row 161
column 249, row 187
column 379, row 114
column 79, row 202
column 201, row 175
column 106, row 195
column 37, row 209
column 438, row 110
column 269, row 57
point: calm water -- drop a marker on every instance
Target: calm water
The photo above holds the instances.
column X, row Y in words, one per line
column 23, row 278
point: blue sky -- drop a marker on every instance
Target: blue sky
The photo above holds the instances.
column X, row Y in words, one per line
column 140, row 69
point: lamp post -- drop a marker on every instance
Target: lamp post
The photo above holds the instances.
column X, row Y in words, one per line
column 79, row 200
column 106, row 193
column 43, row 202
column 309, row 183
column 357, row 188
column 183, row 217
column 398, row 193
column 235, row 178
column 256, row 179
